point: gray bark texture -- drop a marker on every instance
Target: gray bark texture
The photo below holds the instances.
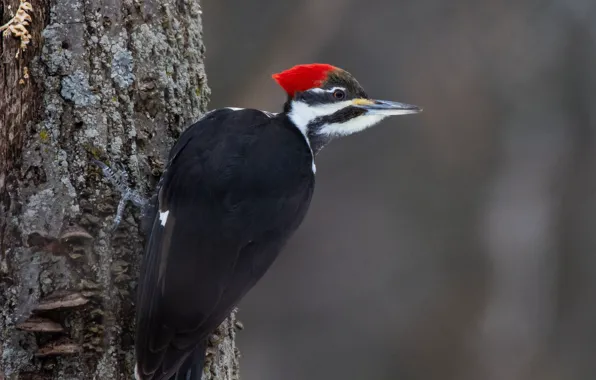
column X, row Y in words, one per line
column 112, row 80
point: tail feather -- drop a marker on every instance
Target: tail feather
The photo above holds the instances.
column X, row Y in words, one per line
column 192, row 368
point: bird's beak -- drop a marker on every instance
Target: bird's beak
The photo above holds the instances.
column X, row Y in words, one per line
column 385, row 107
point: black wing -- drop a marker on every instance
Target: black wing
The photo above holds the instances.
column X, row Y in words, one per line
column 224, row 212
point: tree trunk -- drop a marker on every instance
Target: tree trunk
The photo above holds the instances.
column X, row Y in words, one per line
column 110, row 80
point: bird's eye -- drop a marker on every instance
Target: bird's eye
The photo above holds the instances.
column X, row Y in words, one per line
column 339, row 94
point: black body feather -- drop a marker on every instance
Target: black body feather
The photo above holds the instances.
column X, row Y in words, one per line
column 237, row 185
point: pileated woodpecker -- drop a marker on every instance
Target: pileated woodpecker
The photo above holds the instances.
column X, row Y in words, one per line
column 237, row 185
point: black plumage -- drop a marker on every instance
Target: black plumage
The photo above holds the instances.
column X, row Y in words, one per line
column 237, row 185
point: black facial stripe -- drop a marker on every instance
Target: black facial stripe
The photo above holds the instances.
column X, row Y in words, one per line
column 317, row 140
column 340, row 116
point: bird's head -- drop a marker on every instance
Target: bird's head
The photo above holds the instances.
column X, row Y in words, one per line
column 325, row 102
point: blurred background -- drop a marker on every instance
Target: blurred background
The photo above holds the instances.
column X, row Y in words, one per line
column 455, row 244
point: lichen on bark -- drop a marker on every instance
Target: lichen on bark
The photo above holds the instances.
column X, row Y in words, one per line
column 117, row 81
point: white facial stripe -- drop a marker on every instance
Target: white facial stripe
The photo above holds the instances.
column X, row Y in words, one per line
column 302, row 114
column 354, row 125
column 330, row 91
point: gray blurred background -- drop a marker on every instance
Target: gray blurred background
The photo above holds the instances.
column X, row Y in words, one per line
column 455, row 244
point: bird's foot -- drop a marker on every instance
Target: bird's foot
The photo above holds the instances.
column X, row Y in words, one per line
column 119, row 179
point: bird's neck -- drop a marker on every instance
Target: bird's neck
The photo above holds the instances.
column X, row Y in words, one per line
column 317, row 141
column 304, row 121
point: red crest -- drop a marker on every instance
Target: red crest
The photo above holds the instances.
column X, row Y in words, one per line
column 303, row 77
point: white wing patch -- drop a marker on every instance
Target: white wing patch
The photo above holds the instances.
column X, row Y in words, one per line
column 163, row 217
column 270, row 114
column 137, row 375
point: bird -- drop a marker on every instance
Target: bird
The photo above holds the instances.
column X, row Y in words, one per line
column 236, row 186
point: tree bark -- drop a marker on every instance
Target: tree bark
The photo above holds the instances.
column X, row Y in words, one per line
column 110, row 80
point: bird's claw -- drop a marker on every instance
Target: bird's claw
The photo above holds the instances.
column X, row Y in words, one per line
column 119, row 179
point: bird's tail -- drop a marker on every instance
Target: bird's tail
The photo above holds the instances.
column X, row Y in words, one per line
column 192, row 368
